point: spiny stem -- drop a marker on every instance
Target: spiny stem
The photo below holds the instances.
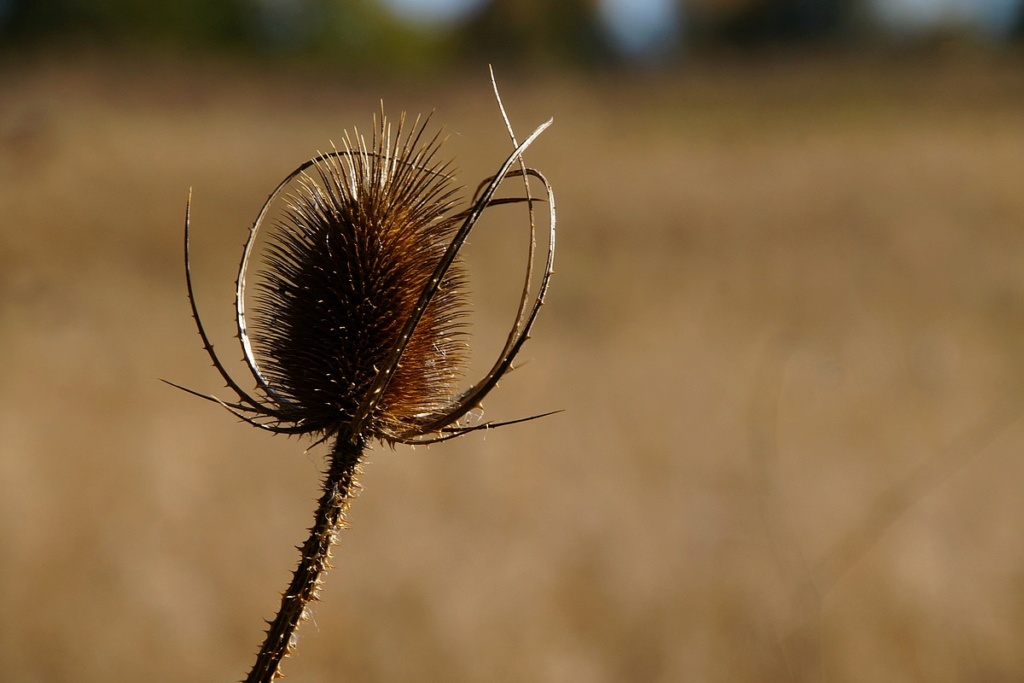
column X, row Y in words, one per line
column 338, row 490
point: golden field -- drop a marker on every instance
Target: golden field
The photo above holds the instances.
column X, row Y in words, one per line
column 786, row 330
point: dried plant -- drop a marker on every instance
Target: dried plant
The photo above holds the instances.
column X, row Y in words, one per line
column 356, row 335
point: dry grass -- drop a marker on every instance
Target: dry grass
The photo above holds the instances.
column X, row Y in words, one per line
column 780, row 290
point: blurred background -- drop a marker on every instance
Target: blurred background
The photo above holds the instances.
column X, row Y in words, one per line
column 786, row 330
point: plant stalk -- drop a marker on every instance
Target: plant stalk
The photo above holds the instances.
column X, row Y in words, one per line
column 339, row 488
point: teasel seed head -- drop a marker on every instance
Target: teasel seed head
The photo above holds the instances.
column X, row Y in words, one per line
column 344, row 271
column 359, row 307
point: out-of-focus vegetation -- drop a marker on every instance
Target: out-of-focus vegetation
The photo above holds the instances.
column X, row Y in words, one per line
column 358, row 32
column 367, row 34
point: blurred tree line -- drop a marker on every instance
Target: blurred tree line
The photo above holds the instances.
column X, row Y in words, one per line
column 367, row 33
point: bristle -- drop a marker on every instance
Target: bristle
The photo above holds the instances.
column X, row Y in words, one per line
column 344, row 268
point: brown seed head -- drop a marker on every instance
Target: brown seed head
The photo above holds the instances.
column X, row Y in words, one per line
column 357, row 328
column 345, row 269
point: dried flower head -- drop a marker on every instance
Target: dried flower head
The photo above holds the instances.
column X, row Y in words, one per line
column 357, row 325
column 345, row 270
